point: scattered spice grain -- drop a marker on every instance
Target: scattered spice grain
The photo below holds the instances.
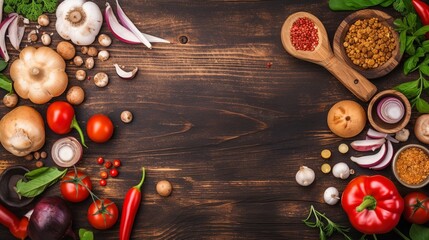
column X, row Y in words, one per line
column 412, row 165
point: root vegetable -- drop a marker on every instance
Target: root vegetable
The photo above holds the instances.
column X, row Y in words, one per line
column 79, row 21
column 370, row 160
column 387, row 158
column 346, row 118
column 22, row 131
column 367, row 144
column 39, row 74
column 305, row 176
column 66, row 50
column 75, row 95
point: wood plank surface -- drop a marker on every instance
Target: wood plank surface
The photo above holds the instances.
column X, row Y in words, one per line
column 228, row 118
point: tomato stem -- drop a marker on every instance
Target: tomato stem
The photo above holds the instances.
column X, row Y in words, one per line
column 75, row 125
column 139, row 186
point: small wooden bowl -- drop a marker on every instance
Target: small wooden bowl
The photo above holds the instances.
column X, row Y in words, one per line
column 341, row 33
column 8, row 181
column 395, row 159
column 381, row 125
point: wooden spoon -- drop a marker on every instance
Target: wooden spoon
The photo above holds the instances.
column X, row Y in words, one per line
column 323, row 55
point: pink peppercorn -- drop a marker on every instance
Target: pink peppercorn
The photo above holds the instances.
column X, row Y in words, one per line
column 304, row 34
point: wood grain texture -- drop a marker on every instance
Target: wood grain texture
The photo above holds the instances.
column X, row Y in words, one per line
column 227, row 118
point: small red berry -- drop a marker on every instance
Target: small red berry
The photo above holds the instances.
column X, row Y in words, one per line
column 116, row 163
column 114, row 172
column 108, row 164
column 103, row 174
column 103, row 182
column 100, row 160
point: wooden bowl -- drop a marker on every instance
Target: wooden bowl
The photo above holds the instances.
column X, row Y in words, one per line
column 381, row 125
column 341, row 33
column 8, row 181
column 395, row 159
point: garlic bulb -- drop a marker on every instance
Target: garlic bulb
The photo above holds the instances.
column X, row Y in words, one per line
column 331, row 196
column 305, row 176
column 78, row 21
column 341, row 170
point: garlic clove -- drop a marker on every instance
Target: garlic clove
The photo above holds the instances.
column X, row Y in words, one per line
column 124, row 74
column 331, row 196
column 305, row 176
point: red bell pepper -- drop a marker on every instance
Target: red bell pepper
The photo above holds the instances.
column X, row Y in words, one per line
column 129, row 209
column 422, row 9
column 373, row 204
column 18, row 228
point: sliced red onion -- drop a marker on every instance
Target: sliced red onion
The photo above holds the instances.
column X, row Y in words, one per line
column 3, row 27
column 370, row 160
column 367, row 145
column 16, row 31
column 390, row 110
column 387, row 158
column 123, row 34
column 372, row 134
column 130, row 25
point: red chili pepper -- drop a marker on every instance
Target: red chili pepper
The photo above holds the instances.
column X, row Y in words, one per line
column 373, row 204
column 17, row 227
column 422, row 9
column 61, row 119
column 129, row 209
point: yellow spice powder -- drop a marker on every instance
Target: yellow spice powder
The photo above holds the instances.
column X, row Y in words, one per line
column 412, row 165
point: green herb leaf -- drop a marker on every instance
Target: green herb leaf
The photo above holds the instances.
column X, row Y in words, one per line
column 5, row 83
column 421, row 31
column 85, row 234
column 38, row 181
column 409, row 89
column 422, row 105
column 424, row 69
column 419, row 232
column 3, row 65
column 403, row 41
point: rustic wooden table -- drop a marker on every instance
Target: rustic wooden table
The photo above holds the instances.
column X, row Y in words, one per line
column 223, row 113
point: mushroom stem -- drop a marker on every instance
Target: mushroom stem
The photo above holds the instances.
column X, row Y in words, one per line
column 76, row 16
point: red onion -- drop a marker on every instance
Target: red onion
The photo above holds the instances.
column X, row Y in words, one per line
column 3, row 27
column 16, row 31
column 51, row 219
column 130, row 25
column 124, row 34
column 390, row 110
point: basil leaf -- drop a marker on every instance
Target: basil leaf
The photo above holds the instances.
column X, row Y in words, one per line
column 424, row 69
column 422, row 105
column 419, row 232
column 3, row 65
column 39, row 181
column 5, row 83
column 410, row 64
column 403, row 41
column 36, row 172
column 409, row 89
column 411, row 20
column 421, row 31
column 85, row 234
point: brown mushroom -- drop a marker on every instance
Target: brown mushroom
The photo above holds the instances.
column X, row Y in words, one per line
column 421, row 128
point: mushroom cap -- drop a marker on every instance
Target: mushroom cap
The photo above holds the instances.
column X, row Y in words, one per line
column 22, row 131
column 39, row 74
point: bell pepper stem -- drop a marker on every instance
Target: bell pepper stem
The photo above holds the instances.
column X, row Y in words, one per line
column 76, row 126
column 369, row 203
column 139, row 186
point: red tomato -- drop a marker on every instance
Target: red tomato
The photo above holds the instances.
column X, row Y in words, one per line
column 108, row 164
column 104, row 175
column 99, row 128
column 116, row 163
column 102, row 214
column 114, row 172
column 74, row 186
column 100, row 160
column 416, row 208
column 103, row 182
column 60, row 116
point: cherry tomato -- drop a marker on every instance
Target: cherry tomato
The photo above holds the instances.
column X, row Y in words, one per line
column 102, row 214
column 99, row 128
column 116, row 163
column 114, row 172
column 103, row 182
column 103, row 174
column 416, row 208
column 108, row 164
column 61, row 119
column 74, row 186
column 100, row 160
